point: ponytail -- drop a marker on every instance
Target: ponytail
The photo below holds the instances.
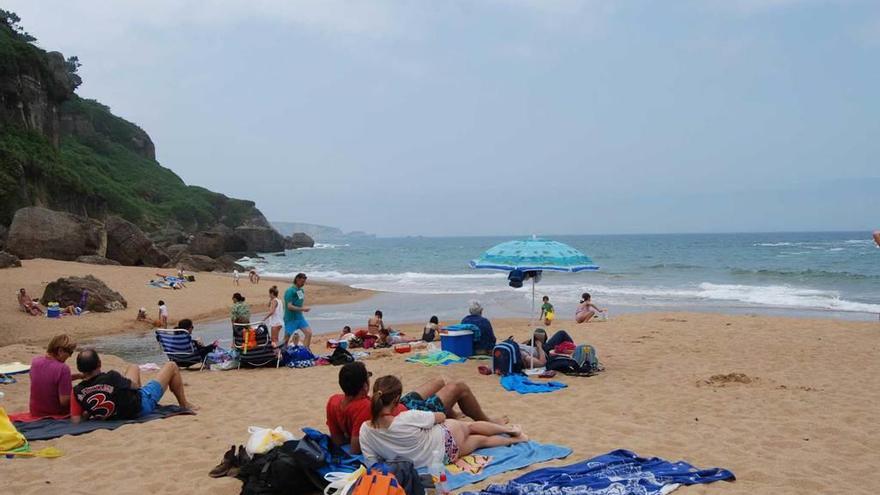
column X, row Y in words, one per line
column 386, row 391
column 273, row 290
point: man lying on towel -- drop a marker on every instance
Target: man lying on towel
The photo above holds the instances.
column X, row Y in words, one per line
column 346, row 412
column 109, row 395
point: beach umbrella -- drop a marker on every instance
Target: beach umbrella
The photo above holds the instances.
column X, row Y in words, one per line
column 534, row 255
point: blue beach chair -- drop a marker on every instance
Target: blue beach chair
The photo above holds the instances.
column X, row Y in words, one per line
column 178, row 345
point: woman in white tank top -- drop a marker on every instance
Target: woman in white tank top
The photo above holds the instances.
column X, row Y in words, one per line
column 275, row 318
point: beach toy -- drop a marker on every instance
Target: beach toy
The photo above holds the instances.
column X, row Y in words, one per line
column 458, row 342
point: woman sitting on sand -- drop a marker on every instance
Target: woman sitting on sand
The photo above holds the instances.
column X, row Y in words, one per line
column 28, row 304
column 375, row 324
column 415, row 435
column 586, row 310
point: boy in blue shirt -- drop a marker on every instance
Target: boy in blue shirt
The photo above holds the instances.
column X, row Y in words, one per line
column 294, row 309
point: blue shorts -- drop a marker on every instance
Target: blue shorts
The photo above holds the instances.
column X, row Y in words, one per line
column 150, row 395
column 415, row 402
column 294, row 325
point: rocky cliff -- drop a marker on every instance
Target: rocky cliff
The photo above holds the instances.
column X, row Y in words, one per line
column 67, row 153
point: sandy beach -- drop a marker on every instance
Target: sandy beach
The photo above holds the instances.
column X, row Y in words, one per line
column 789, row 405
column 208, row 298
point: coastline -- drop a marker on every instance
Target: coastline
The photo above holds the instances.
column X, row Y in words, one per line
column 772, row 399
column 206, row 299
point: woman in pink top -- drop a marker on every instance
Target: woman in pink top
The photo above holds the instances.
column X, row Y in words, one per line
column 51, row 379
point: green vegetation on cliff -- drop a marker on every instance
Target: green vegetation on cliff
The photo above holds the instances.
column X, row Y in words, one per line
column 68, row 153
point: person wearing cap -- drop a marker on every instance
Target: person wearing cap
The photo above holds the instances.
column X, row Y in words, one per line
column 487, row 335
column 346, row 412
column 295, row 309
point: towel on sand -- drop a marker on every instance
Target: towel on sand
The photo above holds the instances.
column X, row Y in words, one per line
column 618, row 472
column 523, row 385
column 438, row 358
column 507, row 458
column 44, row 429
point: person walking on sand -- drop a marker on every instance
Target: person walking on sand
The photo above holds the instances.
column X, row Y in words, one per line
column 235, row 277
column 295, row 309
column 110, row 395
column 546, row 313
column 275, row 317
column 586, row 310
column 163, row 314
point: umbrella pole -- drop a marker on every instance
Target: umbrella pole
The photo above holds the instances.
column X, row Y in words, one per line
column 533, row 295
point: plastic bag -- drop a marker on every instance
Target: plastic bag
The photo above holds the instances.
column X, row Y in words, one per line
column 263, row 440
column 341, row 483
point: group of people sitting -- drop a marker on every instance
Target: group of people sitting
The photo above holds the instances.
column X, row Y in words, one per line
column 390, row 425
column 31, row 305
column 99, row 394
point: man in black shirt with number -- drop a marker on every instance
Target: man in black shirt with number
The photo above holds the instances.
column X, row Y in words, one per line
column 110, row 395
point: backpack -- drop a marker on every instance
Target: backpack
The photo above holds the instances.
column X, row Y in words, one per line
column 585, row 355
column 377, row 481
column 582, row 362
column 341, row 356
column 276, row 472
column 506, row 359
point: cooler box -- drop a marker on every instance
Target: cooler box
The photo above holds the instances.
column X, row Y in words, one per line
column 53, row 312
column 458, row 342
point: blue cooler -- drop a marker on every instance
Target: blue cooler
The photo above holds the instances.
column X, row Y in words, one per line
column 53, row 312
column 458, row 342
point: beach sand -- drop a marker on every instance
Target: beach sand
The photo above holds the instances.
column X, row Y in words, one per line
column 209, row 297
column 789, row 405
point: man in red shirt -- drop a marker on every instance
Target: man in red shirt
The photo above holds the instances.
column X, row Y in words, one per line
column 346, row 412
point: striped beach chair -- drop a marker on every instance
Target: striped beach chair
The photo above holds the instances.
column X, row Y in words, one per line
column 178, row 345
column 261, row 354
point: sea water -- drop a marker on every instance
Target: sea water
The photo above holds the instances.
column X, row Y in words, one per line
column 809, row 274
column 821, row 274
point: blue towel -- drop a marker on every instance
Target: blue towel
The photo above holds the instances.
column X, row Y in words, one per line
column 336, row 459
column 618, row 472
column 516, row 456
column 523, row 385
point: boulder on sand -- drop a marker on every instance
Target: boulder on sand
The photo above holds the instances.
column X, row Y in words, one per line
column 8, row 260
column 261, row 239
column 127, row 244
column 68, row 291
column 97, row 260
column 42, row 233
column 217, row 241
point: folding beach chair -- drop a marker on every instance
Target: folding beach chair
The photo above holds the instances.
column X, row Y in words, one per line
column 178, row 345
column 260, row 353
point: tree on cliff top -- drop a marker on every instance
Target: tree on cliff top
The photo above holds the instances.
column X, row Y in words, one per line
column 11, row 20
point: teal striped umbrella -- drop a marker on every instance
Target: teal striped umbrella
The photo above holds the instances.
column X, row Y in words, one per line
column 534, row 255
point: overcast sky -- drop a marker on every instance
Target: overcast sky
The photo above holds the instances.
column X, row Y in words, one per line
column 500, row 117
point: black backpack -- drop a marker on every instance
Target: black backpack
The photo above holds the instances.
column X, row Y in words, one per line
column 506, row 359
column 276, row 472
column 341, row 356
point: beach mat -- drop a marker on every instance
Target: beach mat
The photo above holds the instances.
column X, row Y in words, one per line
column 507, row 458
column 438, row 358
column 619, row 471
column 45, row 429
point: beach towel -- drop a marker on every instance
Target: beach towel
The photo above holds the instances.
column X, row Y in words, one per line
column 507, row 458
column 523, row 385
column 617, row 472
column 44, row 429
column 437, row 358
column 26, row 417
column 472, row 464
column 337, row 459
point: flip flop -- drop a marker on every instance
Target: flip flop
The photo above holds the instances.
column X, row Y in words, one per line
column 484, row 370
column 547, row 374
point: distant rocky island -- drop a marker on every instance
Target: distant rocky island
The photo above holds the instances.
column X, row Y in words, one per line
column 80, row 183
column 320, row 233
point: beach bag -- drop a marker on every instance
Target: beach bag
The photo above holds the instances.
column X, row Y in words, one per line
column 342, row 483
column 506, row 358
column 309, row 454
column 341, row 356
column 10, row 438
column 585, row 356
column 276, row 473
column 378, row 481
column 263, row 440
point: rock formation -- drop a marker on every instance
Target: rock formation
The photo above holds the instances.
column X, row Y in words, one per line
column 127, row 244
column 97, row 260
column 68, row 291
column 41, row 233
column 8, row 260
column 298, row 240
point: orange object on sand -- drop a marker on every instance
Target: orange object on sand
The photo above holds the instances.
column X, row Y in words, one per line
column 402, row 348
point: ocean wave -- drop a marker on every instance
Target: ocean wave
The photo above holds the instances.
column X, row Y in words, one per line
column 677, row 266
column 804, row 274
column 777, row 244
column 412, row 282
column 321, row 245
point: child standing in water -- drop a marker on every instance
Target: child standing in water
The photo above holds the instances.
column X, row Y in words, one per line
column 547, row 311
column 586, row 310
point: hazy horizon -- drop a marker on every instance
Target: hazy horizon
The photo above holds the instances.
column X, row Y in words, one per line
column 485, row 118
